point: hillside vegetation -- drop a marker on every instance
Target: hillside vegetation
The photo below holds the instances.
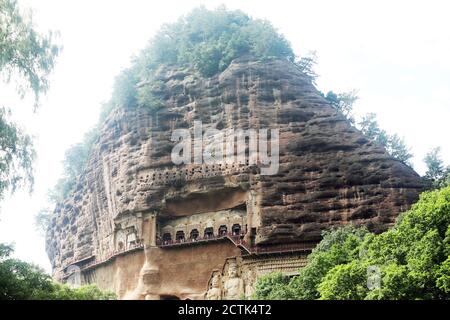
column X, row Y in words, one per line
column 409, row 261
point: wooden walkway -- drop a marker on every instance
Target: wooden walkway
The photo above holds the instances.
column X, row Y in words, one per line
column 237, row 240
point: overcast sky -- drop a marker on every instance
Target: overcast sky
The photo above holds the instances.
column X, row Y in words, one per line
column 396, row 53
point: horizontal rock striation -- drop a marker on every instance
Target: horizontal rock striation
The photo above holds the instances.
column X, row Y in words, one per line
column 131, row 192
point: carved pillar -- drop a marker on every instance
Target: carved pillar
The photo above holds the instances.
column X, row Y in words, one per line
column 252, row 218
column 248, row 227
column 149, row 230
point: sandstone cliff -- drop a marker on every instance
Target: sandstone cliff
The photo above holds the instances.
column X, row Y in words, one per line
column 131, row 195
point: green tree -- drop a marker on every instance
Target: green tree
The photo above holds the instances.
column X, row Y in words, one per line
column 206, row 40
column 412, row 255
column 20, row 280
column 338, row 246
column 86, row 292
column 16, row 155
column 24, row 53
column 344, row 282
column 28, row 57
column 306, row 65
column 443, row 277
column 394, row 145
column 74, row 162
column 437, row 174
column 125, row 88
column 398, row 149
column 273, row 286
column 42, row 220
column 343, row 102
column 370, row 128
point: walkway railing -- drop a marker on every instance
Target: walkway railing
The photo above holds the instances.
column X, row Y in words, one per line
column 282, row 248
column 112, row 255
column 238, row 241
column 183, row 242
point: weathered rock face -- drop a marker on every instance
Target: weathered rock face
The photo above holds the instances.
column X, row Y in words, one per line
column 132, row 201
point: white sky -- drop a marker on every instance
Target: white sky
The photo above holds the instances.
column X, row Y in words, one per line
column 396, row 53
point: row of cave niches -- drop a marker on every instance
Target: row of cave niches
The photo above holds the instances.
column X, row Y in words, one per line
column 203, row 171
column 199, row 236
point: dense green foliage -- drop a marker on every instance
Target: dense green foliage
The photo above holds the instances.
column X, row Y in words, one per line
column 337, row 247
column 209, row 40
column 412, row 258
column 20, row 280
column 205, row 40
column 27, row 57
column 273, row 286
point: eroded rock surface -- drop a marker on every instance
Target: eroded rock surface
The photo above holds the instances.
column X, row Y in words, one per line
column 132, row 199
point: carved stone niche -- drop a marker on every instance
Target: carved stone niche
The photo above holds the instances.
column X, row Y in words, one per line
column 214, row 286
column 127, row 234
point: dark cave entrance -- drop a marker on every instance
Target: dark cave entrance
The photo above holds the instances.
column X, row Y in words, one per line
column 223, row 230
column 179, row 236
column 194, row 234
column 168, row 297
column 209, row 233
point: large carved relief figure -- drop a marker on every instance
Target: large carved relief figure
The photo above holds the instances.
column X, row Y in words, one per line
column 215, row 287
column 233, row 286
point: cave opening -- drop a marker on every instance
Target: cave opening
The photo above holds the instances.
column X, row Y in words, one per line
column 209, row 233
column 236, row 229
column 194, row 234
column 167, row 237
column 223, row 230
column 168, row 297
column 179, row 236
